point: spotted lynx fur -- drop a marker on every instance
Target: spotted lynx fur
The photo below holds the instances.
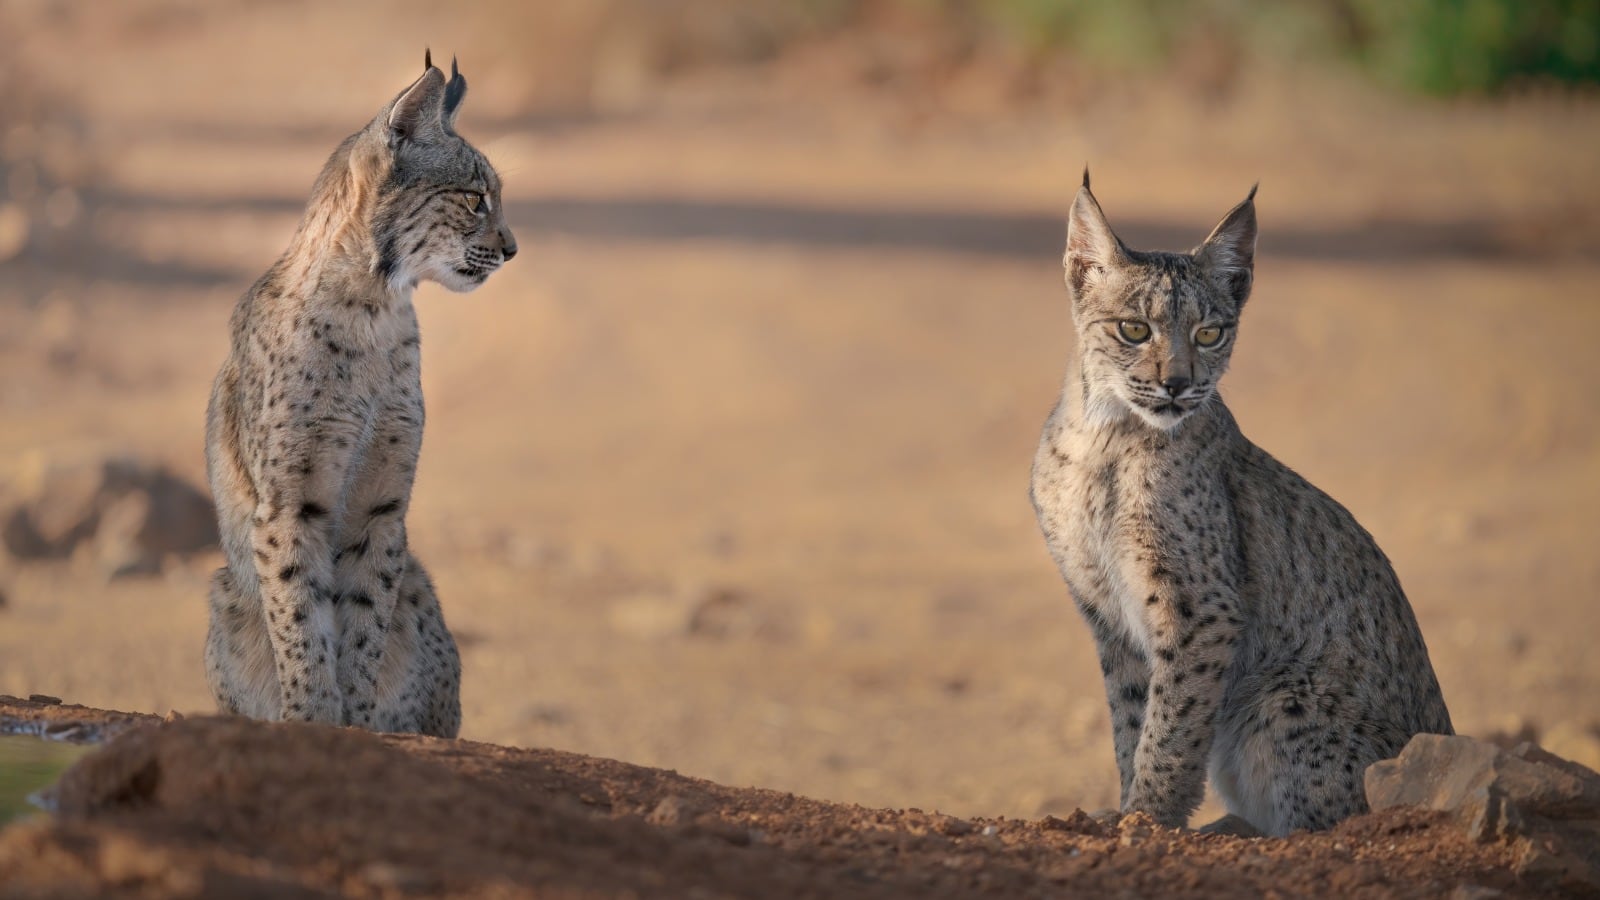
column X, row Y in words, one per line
column 322, row 613
column 1246, row 623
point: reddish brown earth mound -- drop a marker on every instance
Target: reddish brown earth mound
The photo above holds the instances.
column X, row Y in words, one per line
column 235, row 807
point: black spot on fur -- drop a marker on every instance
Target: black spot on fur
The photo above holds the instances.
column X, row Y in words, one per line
column 359, row 549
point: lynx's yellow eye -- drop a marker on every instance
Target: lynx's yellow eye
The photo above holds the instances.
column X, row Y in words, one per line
column 474, row 201
column 1208, row 336
column 1133, row 332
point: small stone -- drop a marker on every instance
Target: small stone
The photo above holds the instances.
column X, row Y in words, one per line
column 954, row 827
column 722, row 543
column 721, row 611
column 1108, row 818
column 46, row 699
column 1078, row 823
column 1233, row 826
column 1516, row 644
column 674, row 810
column 1134, row 829
column 688, row 611
column 1254, row 860
column 677, row 811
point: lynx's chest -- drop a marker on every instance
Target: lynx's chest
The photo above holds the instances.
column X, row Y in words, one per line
column 332, row 377
column 1119, row 513
column 371, row 359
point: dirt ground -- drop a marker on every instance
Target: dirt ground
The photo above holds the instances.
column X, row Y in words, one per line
column 220, row 807
column 727, row 472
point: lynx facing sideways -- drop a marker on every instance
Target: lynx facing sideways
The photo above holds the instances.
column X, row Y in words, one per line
column 321, row 613
column 1246, row 623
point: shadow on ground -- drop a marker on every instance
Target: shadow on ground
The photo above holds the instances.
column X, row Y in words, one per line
column 1017, row 235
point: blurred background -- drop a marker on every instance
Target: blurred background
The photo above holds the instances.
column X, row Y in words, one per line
column 728, row 472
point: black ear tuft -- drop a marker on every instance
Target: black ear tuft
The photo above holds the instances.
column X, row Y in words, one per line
column 1086, row 175
column 427, row 58
column 454, row 91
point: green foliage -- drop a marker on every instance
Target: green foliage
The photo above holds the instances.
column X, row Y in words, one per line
column 1119, row 34
column 1436, row 46
column 1476, row 46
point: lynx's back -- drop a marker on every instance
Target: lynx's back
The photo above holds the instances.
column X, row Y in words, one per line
column 1247, row 624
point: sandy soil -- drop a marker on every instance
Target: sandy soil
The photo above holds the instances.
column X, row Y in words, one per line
column 212, row 807
column 727, row 472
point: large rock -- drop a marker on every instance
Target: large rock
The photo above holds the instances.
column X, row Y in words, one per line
column 125, row 515
column 1547, row 807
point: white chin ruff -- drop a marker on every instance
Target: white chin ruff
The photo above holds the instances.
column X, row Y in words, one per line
column 1165, row 421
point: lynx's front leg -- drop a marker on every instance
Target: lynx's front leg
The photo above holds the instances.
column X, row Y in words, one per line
column 306, row 455
column 1192, row 631
column 294, row 564
column 1127, row 677
column 370, row 570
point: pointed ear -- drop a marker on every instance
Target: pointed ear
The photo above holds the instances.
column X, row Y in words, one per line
column 418, row 113
column 454, row 92
column 1092, row 247
column 1229, row 254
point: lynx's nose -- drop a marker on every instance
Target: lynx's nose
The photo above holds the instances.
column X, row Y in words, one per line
column 1176, row 385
